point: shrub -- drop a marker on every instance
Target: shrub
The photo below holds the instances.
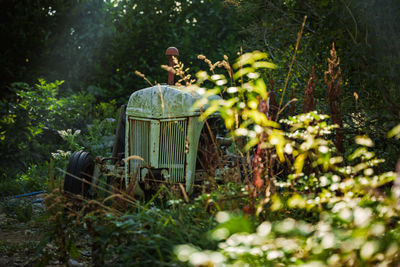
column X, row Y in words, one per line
column 319, row 209
column 142, row 233
column 34, row 125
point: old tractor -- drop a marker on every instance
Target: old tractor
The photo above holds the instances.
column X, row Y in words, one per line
column 157, row 139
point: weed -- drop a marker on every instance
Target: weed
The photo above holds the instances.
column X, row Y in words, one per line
column 309, row 102
column 333, row 80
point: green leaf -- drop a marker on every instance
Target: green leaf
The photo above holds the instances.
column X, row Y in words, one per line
column 242, row 72
column 395, row 132
column 264, row 64
column 261, row 88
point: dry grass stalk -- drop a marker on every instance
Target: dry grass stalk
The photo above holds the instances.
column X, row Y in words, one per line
column 141, row 75
column 185, row 196
column 181, row 72
column 292, row 62
column 292, row 104
column 309, row 100
column 220, row 64
column 333, row 80
column 211, row 66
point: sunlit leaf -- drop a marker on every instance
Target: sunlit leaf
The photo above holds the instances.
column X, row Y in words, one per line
column 242, row 72
column 299, row 163
column 264, row 64
column 214, row 107
column 252, row 142
column 365, row 141
column 249, row 58
column 395, row 132
column 277, row 139
column 261, row 88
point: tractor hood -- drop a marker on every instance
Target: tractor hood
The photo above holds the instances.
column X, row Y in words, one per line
column 163, row 102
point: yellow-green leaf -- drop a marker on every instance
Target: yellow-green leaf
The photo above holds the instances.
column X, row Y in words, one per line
column 299, row 163
column 395, row 132
column 264, row 64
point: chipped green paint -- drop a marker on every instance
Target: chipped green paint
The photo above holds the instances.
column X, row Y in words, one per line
column 162, row 102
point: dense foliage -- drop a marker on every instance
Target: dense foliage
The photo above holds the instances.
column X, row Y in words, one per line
column 37, row 123
column 366, row 36
column 302, row 188
column 326, row 211
column 97, row 45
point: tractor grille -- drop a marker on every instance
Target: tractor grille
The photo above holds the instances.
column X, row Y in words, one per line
column 139, row 143
column 171, row 146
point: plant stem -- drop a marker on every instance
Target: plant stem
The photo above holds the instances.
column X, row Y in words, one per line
column 291, row 64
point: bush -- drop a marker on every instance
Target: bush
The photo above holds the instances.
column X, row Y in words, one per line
column 34, row 125
column 122, row 231
column 317, row 208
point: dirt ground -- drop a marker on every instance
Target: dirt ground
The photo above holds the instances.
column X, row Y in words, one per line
column 22, row 229
column 19, row 236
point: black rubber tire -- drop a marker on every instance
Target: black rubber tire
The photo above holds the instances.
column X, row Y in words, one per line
column 68, row 179
column 80, row 165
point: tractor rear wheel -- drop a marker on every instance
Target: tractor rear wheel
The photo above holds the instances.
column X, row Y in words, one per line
column 80, row 168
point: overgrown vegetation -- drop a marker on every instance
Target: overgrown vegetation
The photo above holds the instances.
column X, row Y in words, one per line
column 38, row 123
column 301, row 187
